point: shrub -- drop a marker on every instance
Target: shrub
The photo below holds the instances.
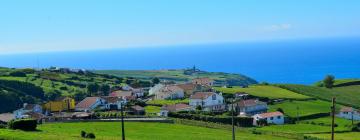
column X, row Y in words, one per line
column 18, row 74
column 26, row 124
column 83, row 134
column 90, row 135
column 2, row 126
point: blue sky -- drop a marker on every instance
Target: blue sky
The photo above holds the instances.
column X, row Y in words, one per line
column 63, row 25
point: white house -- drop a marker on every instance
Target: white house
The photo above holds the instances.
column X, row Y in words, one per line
column 113, row 103
column 349, row 113
column 89, row 103
column 270, row 118
column 126, row 87
column 138, row 92
column 27, row 108
column 153, row 90
column 174, row 108
column 209, row 101
column 169, row 92
column 249, row 107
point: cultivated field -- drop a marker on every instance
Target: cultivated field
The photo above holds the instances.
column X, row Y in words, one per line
column 271, row 92
column 134, row 131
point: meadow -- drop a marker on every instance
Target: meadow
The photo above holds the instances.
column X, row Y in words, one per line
column 271, row 92
column 168, row 102
column 134, row 131
column 304, row 108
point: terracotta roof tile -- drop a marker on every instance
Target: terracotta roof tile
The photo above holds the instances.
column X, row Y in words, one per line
column 271, row 114
column 201, row 95
column 175, row 107
column 87, row 102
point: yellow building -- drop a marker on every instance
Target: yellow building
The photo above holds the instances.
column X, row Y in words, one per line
column 60, row 104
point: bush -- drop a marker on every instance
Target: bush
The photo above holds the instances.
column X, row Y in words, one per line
column 83, row 134
column 90, row 135
column 2, row 126
column 18, row 74
column 26, row 124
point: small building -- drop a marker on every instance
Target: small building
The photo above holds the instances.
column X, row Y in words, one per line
column 21, row 113
column 174, row 108
column 270, row 118
column 89, row 104
column 169, row 92
column 138, row 92
column 113, row 103
column 6, row 117
column 127, row 95
column 137, row 110
column 249, row 107
column 190, row 88
column 349, row 113
column 208, row 101
column 60, row 104
column 241, row 95
column 153, row 90
column 203, row 81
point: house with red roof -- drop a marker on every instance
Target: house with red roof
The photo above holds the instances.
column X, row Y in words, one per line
column 174, row 108
column 113, row 103
column 349, row 113
column 203, row 81
column 249, row 107
column 89, row 104
column 208, row 101
column 270, row 118
column 169, row 92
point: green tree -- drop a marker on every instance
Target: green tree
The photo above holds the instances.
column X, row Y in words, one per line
column 155, row 80
column 105, row 89
column 329, row 81
column 92, row 88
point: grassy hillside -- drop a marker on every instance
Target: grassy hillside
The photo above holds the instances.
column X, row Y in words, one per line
column 180, row 76
column 271, row 92
column 348, row 95
column 134, row 131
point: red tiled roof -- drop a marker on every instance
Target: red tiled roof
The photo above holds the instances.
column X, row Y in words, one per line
column 271, row 114
column 201, row 95
column 348, row 109
column 87, row 102
column 202, row 81
column 111, row 99
column 121, row 93
column 250, row 102
column 188, row 86
column 6, row 117
column 175, row 107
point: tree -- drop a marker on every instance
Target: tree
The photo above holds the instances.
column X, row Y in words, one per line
column 155, row 80
column 105, row 89
column 280, row 110
column 329, row 81
column 79, row 95
column 18, row 74
column 53, row 94
column 92, row 88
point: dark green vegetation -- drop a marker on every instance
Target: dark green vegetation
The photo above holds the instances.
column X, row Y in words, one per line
column 183, row 76
column 18, row 86
column 26, row 125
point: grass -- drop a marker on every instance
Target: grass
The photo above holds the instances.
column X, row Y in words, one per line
column 134, row 131
column 305, row 107
column 342, row 124
column 168, row 102
column 152, row 109
column 271, row 92
column 338, row 136
column 348, row 95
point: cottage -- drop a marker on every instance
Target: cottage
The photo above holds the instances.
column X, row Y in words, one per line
column 137, row 110
column 270, row 118
column 6, row 117
column 113, row 103
column 128, row 95
column 208, row 101
column 169, row 92
column 249, row 107
column 89, row 103
column 21, row 113
column 241, row 95
column 60, row 104
column 153, row 90
column 190, row 88
column 174, row 108
column 203, row 81
column 138, row 92
column 349, row 113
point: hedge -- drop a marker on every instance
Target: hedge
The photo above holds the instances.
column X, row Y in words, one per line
column 26, row 124
column 238, row 121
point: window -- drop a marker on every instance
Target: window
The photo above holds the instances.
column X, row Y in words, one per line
column 214, row 97
column 278, row 117
column 272, row 118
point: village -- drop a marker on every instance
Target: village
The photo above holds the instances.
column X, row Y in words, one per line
column 197, row 95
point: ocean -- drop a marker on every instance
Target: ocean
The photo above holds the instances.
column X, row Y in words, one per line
column 294, row 61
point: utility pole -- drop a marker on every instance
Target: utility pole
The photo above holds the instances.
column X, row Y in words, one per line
column 333, row 118
column 232, row 119
column 352, row 116
column 122, row 122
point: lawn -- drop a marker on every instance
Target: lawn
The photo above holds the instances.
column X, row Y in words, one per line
column 347, row 95
column 168, row 102
column 342, row 124
column 271, row 92
column 305, row 107
column 339, row 136
column 134, row 131
column 151, row 110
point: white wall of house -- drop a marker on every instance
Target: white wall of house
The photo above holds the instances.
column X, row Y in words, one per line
column 155, row 89
column 214, row 102
column 279, row 120
column 20, row 113
column 349, row 115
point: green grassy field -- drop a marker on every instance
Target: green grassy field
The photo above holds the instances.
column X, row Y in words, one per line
column 305, row 107
column 271, row 92
column 134, row 131
column 348, row 95
column 342, row 124
column 179, row 76
column 338, row 136
column 152, row 109
column 168, row 102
